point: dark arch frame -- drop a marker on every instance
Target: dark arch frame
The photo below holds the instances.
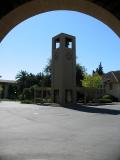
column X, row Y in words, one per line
column 34, row 7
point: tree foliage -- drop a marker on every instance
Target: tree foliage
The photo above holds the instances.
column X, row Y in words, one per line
column 80, row 72
column 1, row 89
column 26, row 80
column 48, row 67
column 92, row 81
column 99, row 70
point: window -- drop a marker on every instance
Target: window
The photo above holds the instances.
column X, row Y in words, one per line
column 68, row 43
column 57, row 43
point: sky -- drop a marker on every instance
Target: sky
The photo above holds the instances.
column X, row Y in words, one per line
column 28, row 46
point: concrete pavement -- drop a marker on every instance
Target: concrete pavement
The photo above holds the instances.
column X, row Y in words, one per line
column 32, row 132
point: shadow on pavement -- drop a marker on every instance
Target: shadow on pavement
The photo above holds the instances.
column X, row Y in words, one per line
column 93, row 109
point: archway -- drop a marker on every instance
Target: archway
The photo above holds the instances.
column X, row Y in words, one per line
column 35, row 7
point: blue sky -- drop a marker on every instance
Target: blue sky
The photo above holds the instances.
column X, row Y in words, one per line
column 28, row 45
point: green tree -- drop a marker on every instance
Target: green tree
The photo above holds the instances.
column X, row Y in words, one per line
column 99, row 70
column 48, row 67
column 39, row 78
column 27, row 94
column 31, row 80
column 80, row 72
column 1, row 89
column 48, row 73
column 92, row 81
column 21, row 78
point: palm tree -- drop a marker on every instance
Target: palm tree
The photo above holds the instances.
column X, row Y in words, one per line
column 21, row 78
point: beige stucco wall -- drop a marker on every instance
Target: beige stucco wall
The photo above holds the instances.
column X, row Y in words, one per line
column 35, row 7
column 64, row 67
column 115, row 91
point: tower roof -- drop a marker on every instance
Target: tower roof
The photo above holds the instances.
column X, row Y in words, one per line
column 64, row 35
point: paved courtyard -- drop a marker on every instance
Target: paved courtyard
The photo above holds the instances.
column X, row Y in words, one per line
column 33, row 132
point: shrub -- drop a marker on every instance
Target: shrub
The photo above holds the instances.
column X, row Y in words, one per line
column 103, row 100
column 42, row 100
column 106, row 97
column 49, row 100
column 113, row 98
column 20, row 97
column 38, row 100
column 27, row 93
column 27, row 101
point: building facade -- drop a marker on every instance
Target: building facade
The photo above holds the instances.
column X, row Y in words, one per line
column 8, row 90
column 111, row 81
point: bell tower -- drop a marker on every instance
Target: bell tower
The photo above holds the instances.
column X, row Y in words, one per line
column 63, row 69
